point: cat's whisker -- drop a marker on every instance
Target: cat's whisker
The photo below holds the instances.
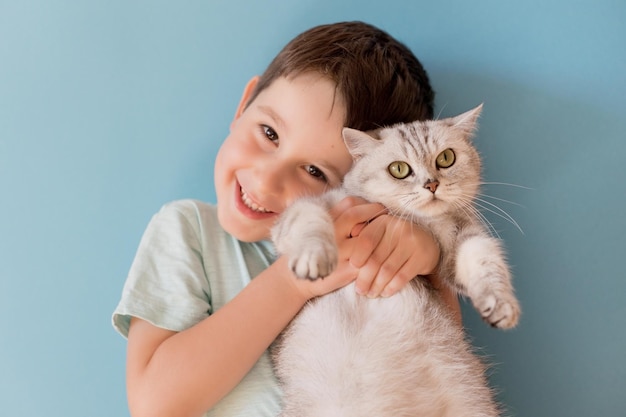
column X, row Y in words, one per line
column 480, row 184
column 500, row 199
column 405, row 212
column 440, row 111
column 379, row 213
column 485, row 221
column 499, row 209
column 468, row 207
column 498, row 212
column 505, row 183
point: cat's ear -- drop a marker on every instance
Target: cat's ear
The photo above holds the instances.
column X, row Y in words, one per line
column 468, row 122
column 358, row 142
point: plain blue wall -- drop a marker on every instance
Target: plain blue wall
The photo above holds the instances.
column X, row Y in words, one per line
column 109, row 109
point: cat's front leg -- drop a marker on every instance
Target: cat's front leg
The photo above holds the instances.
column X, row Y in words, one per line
column 306, row 235
column 482, row 270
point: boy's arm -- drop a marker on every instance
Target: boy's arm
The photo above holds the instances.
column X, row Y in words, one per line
column 171, row 373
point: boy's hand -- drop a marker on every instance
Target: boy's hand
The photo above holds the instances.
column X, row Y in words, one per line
column 382, row 252
column 347, row 215
column 389, row 253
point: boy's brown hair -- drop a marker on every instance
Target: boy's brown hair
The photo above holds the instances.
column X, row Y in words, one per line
column 379, row 78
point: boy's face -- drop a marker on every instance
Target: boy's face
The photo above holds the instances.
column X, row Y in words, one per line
column 287, row 143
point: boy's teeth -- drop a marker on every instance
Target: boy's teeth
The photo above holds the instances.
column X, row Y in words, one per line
column 251, row 204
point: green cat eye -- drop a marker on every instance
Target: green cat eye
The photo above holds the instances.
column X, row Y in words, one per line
column 446, row 159
column 399, row 169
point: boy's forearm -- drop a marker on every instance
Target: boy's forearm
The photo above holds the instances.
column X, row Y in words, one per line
column 190, row 371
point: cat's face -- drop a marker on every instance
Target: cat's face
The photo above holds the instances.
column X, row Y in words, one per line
column 425, row 168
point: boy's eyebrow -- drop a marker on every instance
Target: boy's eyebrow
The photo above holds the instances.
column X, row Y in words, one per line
column 271, row 113
column 333, row 170
column 281, row 124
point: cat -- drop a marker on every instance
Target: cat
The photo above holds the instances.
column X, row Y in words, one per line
column 346, row 355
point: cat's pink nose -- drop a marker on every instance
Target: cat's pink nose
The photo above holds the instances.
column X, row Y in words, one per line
column 431, row 185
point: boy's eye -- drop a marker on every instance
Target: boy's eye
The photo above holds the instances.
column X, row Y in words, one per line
column 270, row 133
column 315, row 172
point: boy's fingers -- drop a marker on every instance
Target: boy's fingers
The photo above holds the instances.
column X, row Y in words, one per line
column 364, row 279
column 356, row 210
column 344, row 205
column 353, row 211
column 373, row 251
column 356, row 230
column 400, row 279
column 368, row 247
column 378, row 275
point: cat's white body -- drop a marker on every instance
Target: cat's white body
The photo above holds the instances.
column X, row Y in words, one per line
column 346, row 355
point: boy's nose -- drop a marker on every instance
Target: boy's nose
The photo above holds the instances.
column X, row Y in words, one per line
column 270, row 178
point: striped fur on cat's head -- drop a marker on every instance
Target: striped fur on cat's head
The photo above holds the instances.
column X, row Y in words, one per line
column 423, row 168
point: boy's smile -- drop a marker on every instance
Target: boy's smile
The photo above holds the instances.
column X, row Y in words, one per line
column 285, row 144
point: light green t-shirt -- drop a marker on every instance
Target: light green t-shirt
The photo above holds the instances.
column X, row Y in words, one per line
column 186, row 268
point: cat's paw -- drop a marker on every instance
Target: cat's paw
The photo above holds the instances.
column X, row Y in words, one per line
column 315, row 260
column 500, row 310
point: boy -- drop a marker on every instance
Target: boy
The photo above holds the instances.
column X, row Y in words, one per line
column 198, row 325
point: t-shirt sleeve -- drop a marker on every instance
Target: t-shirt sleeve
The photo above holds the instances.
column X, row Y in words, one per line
column 167, row 284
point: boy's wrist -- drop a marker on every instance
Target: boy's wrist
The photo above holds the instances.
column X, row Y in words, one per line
column 297, row 290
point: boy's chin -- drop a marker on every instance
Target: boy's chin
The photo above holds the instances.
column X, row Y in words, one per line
column 243, row 231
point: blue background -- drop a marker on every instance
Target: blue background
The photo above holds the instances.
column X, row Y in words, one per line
column 109, row 109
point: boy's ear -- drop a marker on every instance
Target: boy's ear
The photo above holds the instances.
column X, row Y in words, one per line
column 247, row 93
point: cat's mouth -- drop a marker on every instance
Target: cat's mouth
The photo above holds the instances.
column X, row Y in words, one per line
column 433, row 205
